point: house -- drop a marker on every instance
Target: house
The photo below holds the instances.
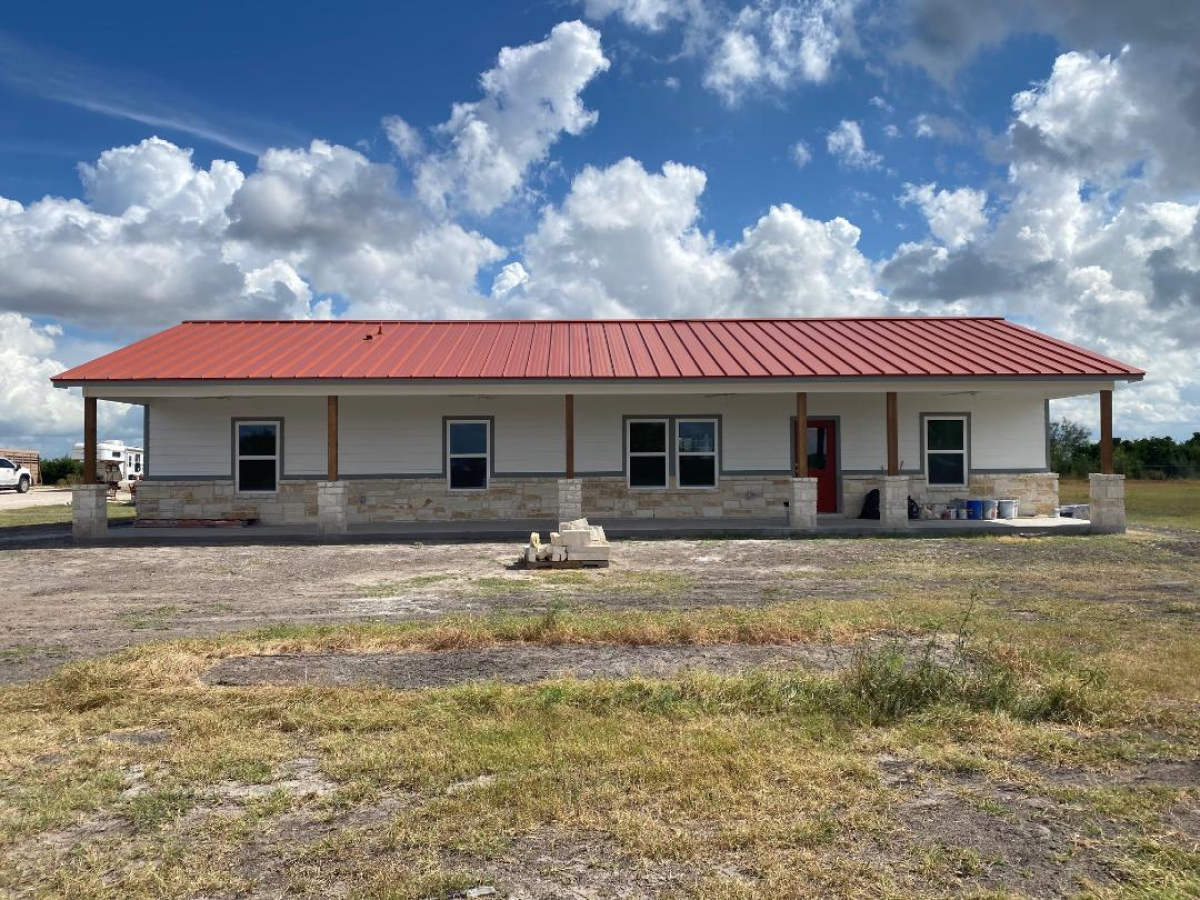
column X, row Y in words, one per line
column 340, row 424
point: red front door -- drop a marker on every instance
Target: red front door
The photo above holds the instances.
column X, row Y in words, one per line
column 822, row 462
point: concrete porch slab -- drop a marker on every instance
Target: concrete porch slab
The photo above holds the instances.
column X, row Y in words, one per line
column 518, row 530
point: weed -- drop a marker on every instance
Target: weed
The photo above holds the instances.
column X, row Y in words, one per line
column 149, row 617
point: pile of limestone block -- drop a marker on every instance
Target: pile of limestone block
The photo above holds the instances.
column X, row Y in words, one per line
column 575, row 542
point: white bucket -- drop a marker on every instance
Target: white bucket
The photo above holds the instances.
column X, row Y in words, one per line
column 1007, row 509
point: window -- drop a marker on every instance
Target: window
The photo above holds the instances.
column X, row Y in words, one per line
column 646, row 443
column 946, row 450
column 696, row 452
column 468, row 453
column 5, row 464
column 257, row 462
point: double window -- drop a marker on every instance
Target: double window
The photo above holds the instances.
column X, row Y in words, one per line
column 946, row 450
column 256, row 451
column 648, row 450
column 468, row 453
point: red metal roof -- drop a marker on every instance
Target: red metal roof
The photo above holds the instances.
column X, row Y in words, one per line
column 614, row 349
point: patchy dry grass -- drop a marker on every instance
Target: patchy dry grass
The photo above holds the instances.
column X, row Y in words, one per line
column 1047, row 745
column 128, row 777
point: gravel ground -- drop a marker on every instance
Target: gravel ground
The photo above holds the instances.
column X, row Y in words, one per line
column 61, row 602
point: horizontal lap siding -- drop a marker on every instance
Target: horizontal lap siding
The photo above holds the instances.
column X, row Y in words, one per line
column 1008, row 431
column 403, row 435
column 754, row 427
column 195, row 437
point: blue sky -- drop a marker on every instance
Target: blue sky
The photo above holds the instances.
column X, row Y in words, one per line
column 331, row 71
column 1032, row 160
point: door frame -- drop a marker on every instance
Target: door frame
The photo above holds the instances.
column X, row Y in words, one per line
column 837, row 454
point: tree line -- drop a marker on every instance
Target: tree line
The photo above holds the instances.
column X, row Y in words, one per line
column 1074, row 453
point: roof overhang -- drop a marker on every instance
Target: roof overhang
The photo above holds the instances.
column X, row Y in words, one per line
column 1050, row 386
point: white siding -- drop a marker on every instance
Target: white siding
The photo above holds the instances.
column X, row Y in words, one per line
column 403, row 435
column 195, row 437
column 754, row 427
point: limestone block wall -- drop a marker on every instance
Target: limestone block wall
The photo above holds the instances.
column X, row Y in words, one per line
column 734, row 496
column 430, row 500
column 367, row 500
column 294, row 503
column 370, row 500
column 1037, row 491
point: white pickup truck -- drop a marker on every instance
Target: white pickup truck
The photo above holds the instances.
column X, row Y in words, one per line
column 14, row 476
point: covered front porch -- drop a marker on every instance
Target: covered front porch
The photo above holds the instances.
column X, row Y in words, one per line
column 664, row 464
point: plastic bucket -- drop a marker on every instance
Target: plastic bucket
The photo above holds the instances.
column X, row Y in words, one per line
column 989, row 509
column 1007, row 509
column 974, row 509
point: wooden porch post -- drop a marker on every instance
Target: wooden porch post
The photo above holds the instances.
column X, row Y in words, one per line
column 332, row 430
column 801, row 434
column 893, row 435
column 89, row 441
column 1106, row 434
column 569, row 411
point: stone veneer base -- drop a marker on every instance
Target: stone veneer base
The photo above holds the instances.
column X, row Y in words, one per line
column 371, row 500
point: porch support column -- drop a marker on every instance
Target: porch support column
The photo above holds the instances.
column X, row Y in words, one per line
column 1106, row 489
column 801, row 438
column 894, row 487
column 89, row 500
column 893, row 434
column 802, row 505
column 1106, row 434
column 332, row 438
column 570, row 489
column 332, row 494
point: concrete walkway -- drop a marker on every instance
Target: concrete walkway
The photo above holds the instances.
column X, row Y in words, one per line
column 518, row 530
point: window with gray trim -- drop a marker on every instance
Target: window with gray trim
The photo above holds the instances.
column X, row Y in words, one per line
column 468, row 453
column 946, row 450
column 646, row 452
column 256, row 458
column 696, row 453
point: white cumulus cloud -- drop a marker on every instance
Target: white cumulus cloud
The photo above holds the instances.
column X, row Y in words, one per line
column 954, row 217
column 845, row 144
column 779, row 43
column 531, row 97
column 627, row 242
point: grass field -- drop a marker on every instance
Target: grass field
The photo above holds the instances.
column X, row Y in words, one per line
column 57, row 515
column 1163, row 504
column 998, row 718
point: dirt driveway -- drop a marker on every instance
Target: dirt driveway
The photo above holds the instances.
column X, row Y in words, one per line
column 61, row 603
column 38, row 496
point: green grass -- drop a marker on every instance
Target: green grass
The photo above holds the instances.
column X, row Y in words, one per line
column 149, row 617
column 1161, row 504
column 57, row 515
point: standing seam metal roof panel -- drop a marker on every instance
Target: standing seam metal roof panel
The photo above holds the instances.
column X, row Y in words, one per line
column 645, row 349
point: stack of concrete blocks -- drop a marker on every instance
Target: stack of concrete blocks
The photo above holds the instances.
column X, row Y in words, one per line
column 1107, row 502
column 802, row 508
column 893, row 501
column 89, row 511
column 575, row 541
column 332, row 507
